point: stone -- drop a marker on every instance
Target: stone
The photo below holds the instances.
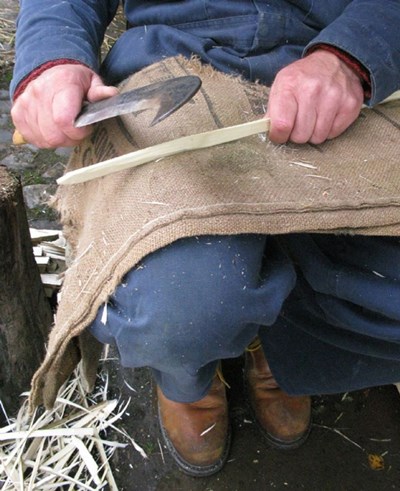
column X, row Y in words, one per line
column 55, row 171
column 5, row 136
column 63, row 151
column 37, row 195
column 4, row 121
column 19, row 161
column 5, row 106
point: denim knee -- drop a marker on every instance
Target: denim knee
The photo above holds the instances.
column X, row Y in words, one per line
column 196, row 301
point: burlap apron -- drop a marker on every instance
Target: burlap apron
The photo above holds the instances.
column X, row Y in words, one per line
column 350, row 185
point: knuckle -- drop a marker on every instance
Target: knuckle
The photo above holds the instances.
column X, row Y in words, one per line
column 314, row 86
column 53, row 140
column 299, row 137
column 334, row 93
column 353, row 104
column 34, row 89
column 21, row 103
column 282, row 126
column 318, row 138
column 61, row 119
column 14, row 113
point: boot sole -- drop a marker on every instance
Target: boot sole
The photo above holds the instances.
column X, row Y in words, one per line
column 196, row 470
column 271, row 440
column 275, row 442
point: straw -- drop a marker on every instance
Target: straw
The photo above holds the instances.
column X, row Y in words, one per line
column 64, row 446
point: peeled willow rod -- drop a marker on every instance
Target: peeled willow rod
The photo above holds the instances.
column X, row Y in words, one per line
column 173, row 147
column 166, row 149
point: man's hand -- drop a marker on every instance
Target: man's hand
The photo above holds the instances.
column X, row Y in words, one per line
column 44, row 113
column 314, row 99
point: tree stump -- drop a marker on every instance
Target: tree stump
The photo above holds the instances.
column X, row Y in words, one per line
column 25, row 313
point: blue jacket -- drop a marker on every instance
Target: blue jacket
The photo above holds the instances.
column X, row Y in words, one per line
column 254, row 38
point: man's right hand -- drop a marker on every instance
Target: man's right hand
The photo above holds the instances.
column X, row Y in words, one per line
column 44, row 113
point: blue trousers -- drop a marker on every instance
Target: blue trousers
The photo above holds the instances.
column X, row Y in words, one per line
column 326, row 308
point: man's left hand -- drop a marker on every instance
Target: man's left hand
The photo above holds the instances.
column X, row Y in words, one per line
column 314, row 99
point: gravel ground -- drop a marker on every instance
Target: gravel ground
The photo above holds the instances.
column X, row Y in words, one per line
column 347, row 430
column 37, row 168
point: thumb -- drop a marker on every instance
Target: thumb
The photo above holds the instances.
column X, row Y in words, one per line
column 97, row 89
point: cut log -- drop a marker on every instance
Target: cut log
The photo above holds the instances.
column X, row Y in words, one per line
column 25, row 313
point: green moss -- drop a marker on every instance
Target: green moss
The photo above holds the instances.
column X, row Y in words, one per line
column 41, row 212
column 6, row 73
column 149, row 447
column 31, row 176
column 46, row 158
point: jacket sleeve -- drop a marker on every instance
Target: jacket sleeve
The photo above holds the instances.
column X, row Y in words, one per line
column 369, row 30
column 49, row 30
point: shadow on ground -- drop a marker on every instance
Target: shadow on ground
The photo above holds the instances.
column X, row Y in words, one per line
column 353, row 435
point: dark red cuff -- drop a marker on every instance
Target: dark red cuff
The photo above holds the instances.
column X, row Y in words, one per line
column 38, row 71
column 351, row 62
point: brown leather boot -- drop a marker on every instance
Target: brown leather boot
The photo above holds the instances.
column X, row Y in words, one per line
column 197, row 434
column 284, row 420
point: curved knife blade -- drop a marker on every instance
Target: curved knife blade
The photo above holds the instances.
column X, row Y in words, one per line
column 166, row 97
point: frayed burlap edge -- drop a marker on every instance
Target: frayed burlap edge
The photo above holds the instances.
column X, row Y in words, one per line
column 64, row 352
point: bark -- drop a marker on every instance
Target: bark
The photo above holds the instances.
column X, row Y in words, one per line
column 25, row 313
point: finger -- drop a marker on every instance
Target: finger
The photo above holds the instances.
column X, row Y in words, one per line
column 325, row 118
column 46, row 134
column 282, row 110
column 53, row 137
column 33, row 117
column 98, row 91
column 305, row 122
column 45, row 112
column 65, row 106
column 345, row 117
column 21, row 136
column 22, row 117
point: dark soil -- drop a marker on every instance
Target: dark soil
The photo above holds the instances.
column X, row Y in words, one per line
column 348, row 430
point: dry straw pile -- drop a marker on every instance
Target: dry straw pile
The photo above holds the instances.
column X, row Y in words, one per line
column 70, row 446
column 7, row 35
column 67, row 447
